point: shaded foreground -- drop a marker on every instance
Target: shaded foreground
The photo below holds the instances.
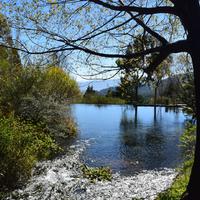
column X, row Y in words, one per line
column 62, row 179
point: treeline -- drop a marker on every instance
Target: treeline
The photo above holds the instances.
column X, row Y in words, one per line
column 170, row 91
column 91, row 96
column 33, row 112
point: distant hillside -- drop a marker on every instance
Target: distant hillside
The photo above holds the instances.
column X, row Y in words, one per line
column 143, row 91
column 104, row 91
column 147, row 90
column 98, row 85
column 102, row 86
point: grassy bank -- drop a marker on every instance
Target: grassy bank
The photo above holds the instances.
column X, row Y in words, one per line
column 97, row 99
column 177, row 189
column 179, row 186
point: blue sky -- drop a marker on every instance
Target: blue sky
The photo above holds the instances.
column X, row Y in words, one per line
column 70, row 29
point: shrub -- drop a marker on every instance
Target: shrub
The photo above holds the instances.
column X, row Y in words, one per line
column 94, row 173
column 54, row 117
column 40, row 96
column 59, row 85
column 21, row 146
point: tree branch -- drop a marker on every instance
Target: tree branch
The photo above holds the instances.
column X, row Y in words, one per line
column 179, row 46
column 140, row 10
column 149, row 30
column 176, row 47
column 156, row 62
column 165, row 53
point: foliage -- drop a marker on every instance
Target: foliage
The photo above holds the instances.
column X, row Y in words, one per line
column 55, row 118
column 21, row 146
column 59, row 85
column 92, row 97
column 187, row 94
column 131, row 72
column 8, row 57
column 100, row 174
column 31, row 94
column 172, row 91
column 163, row 100
column 188, row 139
column 128, row 88
column 89, row 91
column 132, row 69
column 98, row 99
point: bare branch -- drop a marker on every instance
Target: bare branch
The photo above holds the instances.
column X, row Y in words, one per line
column 179, row 46
column 146, row 28
column 140, row 10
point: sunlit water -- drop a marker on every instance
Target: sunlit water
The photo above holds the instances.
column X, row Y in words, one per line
column 128, row 142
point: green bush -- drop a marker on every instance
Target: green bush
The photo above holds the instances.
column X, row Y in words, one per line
column 94, row 173
column 59, row 85
column 21, row 146
column 54, row 117
column 40, row 96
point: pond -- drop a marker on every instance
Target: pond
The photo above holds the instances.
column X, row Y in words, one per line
column 130, row 140
column 141, row 148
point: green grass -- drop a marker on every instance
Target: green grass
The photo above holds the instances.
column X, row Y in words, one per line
column 179, row 185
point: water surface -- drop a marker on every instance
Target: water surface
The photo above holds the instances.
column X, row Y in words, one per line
column 130, row 141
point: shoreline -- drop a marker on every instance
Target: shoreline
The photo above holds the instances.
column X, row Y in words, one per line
column 62, row 179
column 138, row 105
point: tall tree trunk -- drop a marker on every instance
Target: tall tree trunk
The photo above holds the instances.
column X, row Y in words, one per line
column 155, row 96
column 193, row 188
column 136, row 104
column 136, row 94
column 155, row 100
column 136, row 115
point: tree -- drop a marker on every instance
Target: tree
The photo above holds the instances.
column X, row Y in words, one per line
column 60, row 85
column 89, row 91
column 162, row 71
column 128, row 88
column 185, row 81
column 171, row 90
column 187, row 95
column 131, row 70
column 110, row 25
column 9, row 57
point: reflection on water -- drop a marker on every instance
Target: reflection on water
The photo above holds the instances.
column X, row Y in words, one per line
column 130, row 139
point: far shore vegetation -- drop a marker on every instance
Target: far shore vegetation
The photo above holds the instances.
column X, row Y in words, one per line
column 169, row 96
